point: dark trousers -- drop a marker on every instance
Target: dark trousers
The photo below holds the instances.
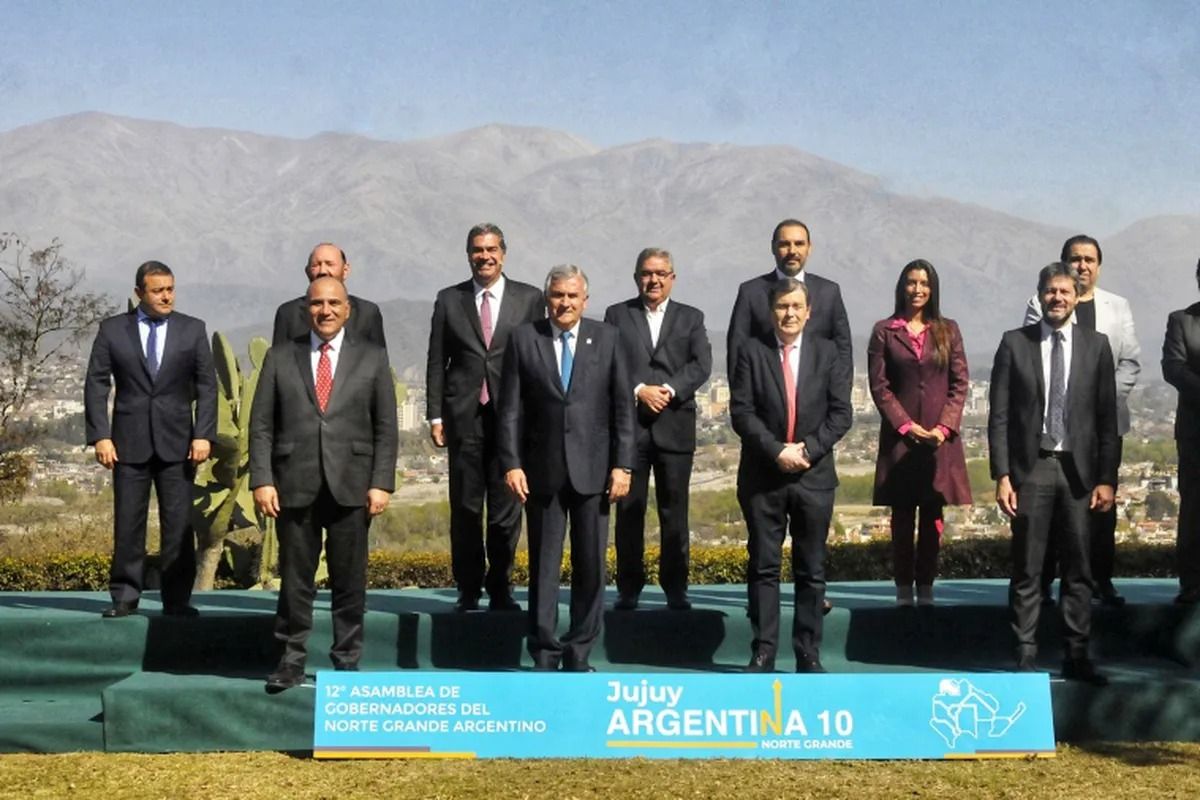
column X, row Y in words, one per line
column 300, row 534
column 1187, row 537
column 772, row 514
column 172, row 481
column 548, row 517
column 672, row 474
column 1103, row 527
column 1052, row 496
column 904, row 525
column 476, row 477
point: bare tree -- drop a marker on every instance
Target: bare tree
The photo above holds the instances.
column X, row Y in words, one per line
column 44, row 314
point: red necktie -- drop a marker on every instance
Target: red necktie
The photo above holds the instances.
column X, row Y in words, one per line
column 789, row 388
column 485, row 321
column 324, row 377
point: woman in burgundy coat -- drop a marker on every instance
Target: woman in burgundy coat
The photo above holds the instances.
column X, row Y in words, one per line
column 918, row 375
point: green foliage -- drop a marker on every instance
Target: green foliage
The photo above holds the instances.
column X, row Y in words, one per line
column 1161, row 452
column 16, row 468
column 74, row 572
column 855, row 489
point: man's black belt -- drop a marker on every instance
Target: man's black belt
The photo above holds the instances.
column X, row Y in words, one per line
column 1058, row 455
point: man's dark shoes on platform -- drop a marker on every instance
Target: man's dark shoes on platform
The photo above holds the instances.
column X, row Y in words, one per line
column 119, row 609
column 826, row 607
column 679, row 603
column 626, row 602
column 180, row 611
column 545, row 663
column 345, row 667
column 761, row 662
column 806, row 664
column 1083, row 670
column 577, row 666
column 1188, row 598
column 466, row 602
column 1108, row 596
column 503, row 602
column 285, row 676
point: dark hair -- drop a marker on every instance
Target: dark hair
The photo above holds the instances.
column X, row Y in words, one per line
column 932, row 313
column 1058, row 269
column 785, row 286
column 1065, row 255
column 1198, row 273
column 150, row 268
column 484, row 228
column 787, row 223
column 652, row 252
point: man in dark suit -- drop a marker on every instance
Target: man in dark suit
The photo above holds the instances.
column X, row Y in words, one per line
column 323, row 441
column 566, row 438
column 790, row 404
column 1181, row 369
column 668, row 352
column 752, row 317
column 161, row 363
column 292, row 317
column 471, row 324
column 1052, row 436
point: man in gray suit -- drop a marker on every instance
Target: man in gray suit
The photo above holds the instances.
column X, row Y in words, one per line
column 566, row 445
column 1052, row 440
column 323, row 441
column 1108, row 313
column 327, row 260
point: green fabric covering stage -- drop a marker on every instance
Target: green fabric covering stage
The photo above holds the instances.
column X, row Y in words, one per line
column 70, row 680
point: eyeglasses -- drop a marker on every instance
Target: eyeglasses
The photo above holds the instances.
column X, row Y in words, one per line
column 662, row 276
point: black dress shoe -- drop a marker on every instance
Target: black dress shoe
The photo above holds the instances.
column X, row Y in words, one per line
column 761, row 662
column 503, row 603
column 286, row 676
column 578, row 666
column 345, row 667
column 119, row 609
column 466, row 603
column 1083, row 670
column 679, row 603
column 1109, row 597
column 1188, row 598
column 545, row 663
column 626, row 602
column 180, row 611
column 826, row 607
column 810, row 665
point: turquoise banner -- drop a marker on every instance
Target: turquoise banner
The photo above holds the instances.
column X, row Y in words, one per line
column 674, row 715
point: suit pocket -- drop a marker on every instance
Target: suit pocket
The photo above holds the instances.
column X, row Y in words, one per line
column 362, row 448
column 283, row 449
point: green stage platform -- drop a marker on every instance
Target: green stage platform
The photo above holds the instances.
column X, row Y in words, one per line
column 70, row 680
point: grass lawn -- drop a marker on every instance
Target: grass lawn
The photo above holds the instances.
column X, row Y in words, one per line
column 1108, row 771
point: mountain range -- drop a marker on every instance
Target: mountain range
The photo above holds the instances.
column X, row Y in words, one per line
column 235, row 214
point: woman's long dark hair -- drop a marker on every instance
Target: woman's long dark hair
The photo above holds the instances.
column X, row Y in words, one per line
column 938, row 329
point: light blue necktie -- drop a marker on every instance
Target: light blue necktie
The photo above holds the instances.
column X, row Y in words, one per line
column 568, row 360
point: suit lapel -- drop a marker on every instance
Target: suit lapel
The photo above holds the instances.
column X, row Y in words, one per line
column 135, row 341
column 774, row 359
column 545, row 345
column 637, row 318
column 348, row 360
column 507, row 318
column 467, row 300
column 302, row 350
column 172, row 343
column 585, row 357
column 664, row 333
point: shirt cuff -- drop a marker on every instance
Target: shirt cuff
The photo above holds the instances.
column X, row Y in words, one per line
column 667, row 386
column 945, row 431
column 437, row 421
column 637, row 389
column 905, row 428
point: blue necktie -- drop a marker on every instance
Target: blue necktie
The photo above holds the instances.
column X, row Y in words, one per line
column 568, row 360
column 152, row 347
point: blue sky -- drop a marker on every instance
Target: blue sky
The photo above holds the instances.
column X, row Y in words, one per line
column 1083, row 114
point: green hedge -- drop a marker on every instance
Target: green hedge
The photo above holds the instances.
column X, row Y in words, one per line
column 961, row 558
